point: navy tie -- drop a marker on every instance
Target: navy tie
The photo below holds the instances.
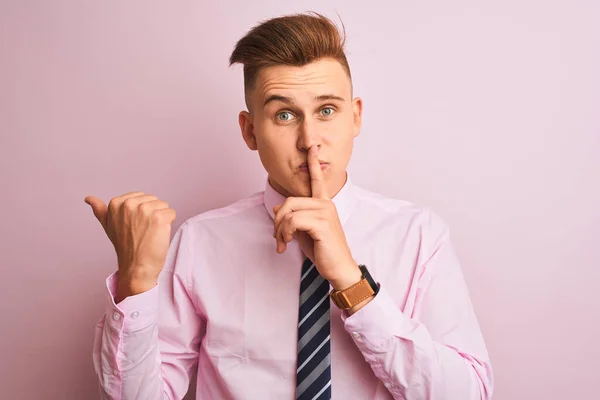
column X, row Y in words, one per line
column 314, row 356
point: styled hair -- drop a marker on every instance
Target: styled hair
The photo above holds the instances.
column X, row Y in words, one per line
column 294, row 40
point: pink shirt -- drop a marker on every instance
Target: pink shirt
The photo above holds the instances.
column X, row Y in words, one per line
column 227, row 303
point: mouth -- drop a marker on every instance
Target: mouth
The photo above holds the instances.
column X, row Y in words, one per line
column 304, row 166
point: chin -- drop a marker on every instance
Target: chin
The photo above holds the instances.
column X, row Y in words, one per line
column 300, row 189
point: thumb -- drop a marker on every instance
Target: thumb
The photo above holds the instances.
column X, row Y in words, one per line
column 99, row 208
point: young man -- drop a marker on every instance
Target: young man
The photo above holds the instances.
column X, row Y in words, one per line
column 312, row 289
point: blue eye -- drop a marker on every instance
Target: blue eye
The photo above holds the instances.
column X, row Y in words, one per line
column 284, row 116
column 327, row 111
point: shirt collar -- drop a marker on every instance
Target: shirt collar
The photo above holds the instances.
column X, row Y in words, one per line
column 344, row 200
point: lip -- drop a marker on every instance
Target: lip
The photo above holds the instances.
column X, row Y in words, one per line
column 320, row 162
column 304, row 166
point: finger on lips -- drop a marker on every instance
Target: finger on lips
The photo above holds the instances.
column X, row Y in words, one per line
column 296, row 204
column 317, row 183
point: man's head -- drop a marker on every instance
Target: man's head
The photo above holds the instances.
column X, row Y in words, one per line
column 298, row 92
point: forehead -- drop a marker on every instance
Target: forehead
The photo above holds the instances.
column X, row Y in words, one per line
column 308, row 81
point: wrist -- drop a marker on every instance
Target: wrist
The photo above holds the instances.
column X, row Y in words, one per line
column 127, row 287
column 352, row 292
column 349, row 278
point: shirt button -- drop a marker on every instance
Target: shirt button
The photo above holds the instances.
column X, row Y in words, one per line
column 356, row 335
column 115, row 372
column 116, row 316
column 388, row 385
column 135, row 314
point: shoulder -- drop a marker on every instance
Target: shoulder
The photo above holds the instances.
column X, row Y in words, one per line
column 241, row 210
column 407, row 216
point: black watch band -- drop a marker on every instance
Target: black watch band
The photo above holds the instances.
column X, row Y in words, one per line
column 366, row 275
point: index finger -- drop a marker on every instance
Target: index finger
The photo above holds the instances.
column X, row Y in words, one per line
column 317, row 182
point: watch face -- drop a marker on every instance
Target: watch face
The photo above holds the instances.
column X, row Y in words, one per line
column 369, row 278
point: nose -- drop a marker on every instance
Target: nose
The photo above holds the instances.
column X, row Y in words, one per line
column 308, row 135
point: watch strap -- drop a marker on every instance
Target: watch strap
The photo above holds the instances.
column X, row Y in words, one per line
column 349, row 297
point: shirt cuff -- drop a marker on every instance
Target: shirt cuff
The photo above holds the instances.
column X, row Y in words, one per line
column 134, row 312
column 374, row 325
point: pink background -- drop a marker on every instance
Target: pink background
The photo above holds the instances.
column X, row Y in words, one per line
column 487, row 113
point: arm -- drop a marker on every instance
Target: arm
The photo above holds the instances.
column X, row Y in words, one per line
column 147, row 345
column 437, row 352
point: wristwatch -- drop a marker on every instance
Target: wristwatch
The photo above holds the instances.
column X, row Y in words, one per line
column 356, row 293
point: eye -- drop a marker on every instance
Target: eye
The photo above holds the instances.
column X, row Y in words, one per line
column 327, row 111
column 284, row 116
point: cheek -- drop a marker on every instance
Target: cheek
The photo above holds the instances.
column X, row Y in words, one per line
column 342, row 140
column 278, row 138
column 341, row 131
column 271, row 148
column 264, row 136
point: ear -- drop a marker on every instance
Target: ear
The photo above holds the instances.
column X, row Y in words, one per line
column 357, row 107
column 247, row 127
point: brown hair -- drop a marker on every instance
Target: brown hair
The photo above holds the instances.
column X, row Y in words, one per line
column 296, row 40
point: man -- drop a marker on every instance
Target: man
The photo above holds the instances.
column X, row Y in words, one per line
column 314, row 288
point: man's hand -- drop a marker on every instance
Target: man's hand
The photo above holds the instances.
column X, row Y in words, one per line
column 314, row 222
column 139, row 227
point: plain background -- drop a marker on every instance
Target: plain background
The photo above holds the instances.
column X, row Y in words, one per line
column 488, row 112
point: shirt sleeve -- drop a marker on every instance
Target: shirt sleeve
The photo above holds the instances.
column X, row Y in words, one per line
column 438, row 351
column 147, row 345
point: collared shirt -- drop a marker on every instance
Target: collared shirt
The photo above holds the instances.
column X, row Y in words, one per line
column 227, row 303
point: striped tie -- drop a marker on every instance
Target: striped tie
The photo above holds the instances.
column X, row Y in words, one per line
column 314, row 358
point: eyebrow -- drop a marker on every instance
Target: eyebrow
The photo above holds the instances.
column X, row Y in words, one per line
column 289, row 100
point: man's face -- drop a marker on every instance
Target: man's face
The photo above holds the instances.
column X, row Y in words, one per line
column 295, row 108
